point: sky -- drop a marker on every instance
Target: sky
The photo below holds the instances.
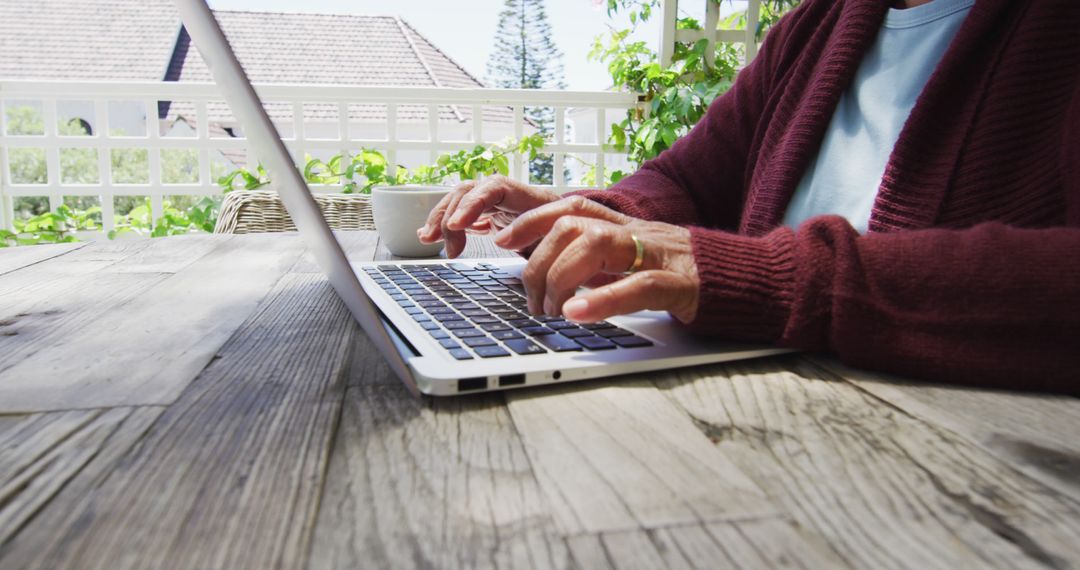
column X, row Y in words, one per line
column 466, row 30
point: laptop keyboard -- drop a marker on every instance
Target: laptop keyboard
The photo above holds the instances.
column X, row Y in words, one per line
column 479, row 311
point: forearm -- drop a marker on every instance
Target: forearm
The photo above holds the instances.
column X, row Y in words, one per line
column 651, row 196
column 990, row 305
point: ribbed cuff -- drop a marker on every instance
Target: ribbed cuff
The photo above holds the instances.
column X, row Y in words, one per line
column 747, row 283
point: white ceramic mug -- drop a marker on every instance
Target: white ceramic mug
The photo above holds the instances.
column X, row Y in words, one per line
column 399, row 211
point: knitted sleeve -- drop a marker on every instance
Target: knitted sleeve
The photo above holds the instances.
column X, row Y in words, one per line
column 990, row 305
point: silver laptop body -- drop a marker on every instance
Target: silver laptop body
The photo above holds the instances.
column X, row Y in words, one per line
column 384, row 297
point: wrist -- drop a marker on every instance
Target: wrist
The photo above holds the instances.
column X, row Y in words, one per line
column 745, row 284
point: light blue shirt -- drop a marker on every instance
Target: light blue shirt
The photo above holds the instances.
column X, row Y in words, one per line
column 844, row 177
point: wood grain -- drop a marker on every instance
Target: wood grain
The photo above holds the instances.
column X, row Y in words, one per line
column 442, row 483
column 763, row 543
column 886, row 489
column 150, row 336
column 60, row 454
column 617, row 455
column 282, row 441
column 358, row 246
column 230, row 475
column 1035, row 433
column 13, row 258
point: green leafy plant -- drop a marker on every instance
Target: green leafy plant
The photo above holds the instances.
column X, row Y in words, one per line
column 675, row 96
column 359, row 172
column 57, row 226
column 201, row 216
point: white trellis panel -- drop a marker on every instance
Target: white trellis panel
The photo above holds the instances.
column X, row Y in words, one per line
column 47, row 94
column 669, row 35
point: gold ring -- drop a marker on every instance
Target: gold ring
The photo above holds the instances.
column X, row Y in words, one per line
column 639, row 255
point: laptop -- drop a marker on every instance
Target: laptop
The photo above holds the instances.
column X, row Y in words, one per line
column 452, row 327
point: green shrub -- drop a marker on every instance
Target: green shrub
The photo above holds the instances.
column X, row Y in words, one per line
column 359, row 172
column 57, row 226
column 678, row 95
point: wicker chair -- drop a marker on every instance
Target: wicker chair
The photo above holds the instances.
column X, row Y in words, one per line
column 260, row 211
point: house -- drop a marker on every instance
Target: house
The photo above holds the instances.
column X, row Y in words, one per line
column 142, row 40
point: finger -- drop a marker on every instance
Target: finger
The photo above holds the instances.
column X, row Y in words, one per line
column 455, row 240
column 655, row 290
column 534, row 276
column 534, row 224
column 487, row 194
column 481, row 226
column 601, row 279
column 602, row 248
column 431, row 231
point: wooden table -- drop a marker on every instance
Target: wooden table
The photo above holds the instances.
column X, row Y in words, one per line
column 207, row 402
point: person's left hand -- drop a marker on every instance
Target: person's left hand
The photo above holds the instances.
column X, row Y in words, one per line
column 582, row 243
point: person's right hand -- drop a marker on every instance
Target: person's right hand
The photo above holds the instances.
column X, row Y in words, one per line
column 483, row 206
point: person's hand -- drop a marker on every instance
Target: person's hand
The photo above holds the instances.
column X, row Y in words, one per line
column 482, row 206
column 584, row 243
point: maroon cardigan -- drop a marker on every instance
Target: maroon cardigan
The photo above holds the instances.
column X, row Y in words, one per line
column 971, row 270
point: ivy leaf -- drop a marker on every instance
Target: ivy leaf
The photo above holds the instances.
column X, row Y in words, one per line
column 310, row 175
column 335, row 162
column 618, row 136
column 668, row 134
column 502, row 165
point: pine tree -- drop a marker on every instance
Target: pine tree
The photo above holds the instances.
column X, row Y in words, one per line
column 524, row 57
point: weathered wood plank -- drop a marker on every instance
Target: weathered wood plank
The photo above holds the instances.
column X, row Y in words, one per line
column 8, row 422
column 15, row 258
column 230, row 475
column 359, row 246
column 1035, row 433
column 764, row 543
column 49, row 304
column 48, row 315
column 885, row 489
column 34, row 436
column 159, row 255
column 442, row 483
column 49, row 455
column 617, row 455
column 56, row 276
column 627, row 549
column 154, row 337
column 55, row 280
column 27, row 547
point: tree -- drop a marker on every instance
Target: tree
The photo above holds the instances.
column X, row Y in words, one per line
column 524, row 57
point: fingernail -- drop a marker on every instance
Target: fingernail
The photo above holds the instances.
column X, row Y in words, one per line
column 549, row 308
column 502, row 236
column 576, row 307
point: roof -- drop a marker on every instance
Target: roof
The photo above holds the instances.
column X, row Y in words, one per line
column 142, row 40
column 339, row 49
column 86, row 39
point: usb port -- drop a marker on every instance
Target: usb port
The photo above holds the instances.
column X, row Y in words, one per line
column 471, row 384
column 512, row 380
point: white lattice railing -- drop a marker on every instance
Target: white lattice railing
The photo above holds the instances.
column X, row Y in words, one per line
column 314, row 119
column 670, row 35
